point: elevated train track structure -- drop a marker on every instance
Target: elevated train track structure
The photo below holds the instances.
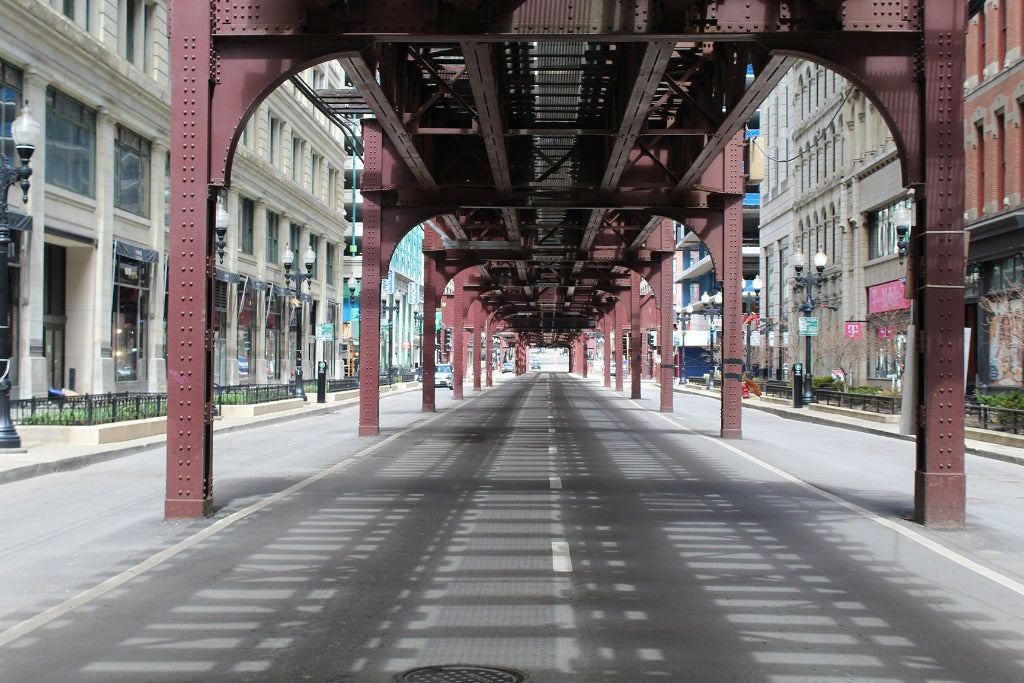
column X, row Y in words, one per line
column 550, row 145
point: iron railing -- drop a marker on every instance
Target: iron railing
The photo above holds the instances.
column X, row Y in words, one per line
column 993, row 418
column 88, row 409
column 876, row 403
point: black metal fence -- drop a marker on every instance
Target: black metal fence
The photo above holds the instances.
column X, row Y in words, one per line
column 96, row 409
column 89, row 409
column 996, row 419
column 875, row 403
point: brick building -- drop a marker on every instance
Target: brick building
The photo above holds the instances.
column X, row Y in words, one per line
column 993, row 111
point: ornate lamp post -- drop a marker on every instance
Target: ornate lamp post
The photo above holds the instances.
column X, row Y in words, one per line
column 712, row 307
column 26, row 132
column 749, row 299
column 417, row 317
column 352, row 284
column 682, row 320
column 391, row 309
column 295, row 281
column 808, row 282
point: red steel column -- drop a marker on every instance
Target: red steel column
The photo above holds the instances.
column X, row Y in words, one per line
column 635, row 336
column 432, row 286
column 940, row 484
column 665, row 371
column 606, row 331
column 369, row 294
column 459, row 336
column 488, row 360
column 477, row 346
column 730, row 273
column 189, row 481
column 617, row 350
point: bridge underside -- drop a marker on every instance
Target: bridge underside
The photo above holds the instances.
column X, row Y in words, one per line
column 550, row 146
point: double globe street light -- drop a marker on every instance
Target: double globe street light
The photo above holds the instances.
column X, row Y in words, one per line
column 712, row 307
column 682, row 320
column 749, row 299
column 295, row 281
column 808, row 282
column 26, row 132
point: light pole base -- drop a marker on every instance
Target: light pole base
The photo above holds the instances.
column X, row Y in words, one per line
column 10, row 442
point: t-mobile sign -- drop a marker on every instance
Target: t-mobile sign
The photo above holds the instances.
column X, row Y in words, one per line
column 887, row 297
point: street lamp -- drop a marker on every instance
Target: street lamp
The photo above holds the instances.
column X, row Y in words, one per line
column 26, row 132
column 808, row 282
column 295, row 281
column 682, row 320
column 712, row 307
column 220, row 226
column 391, row 309
column 902, row 219
column 417, row 317
column 352, row 284
column 749, row 299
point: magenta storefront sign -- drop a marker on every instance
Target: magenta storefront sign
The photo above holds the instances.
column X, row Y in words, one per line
column 887, row 297
column 853, row 330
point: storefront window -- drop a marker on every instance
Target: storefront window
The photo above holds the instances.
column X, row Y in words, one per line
column 272, row 330
column 246, row 336
column 131, row 306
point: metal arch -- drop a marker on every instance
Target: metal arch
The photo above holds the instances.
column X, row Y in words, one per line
column 565, row 156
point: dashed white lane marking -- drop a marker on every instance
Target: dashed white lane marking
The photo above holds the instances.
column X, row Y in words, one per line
column 556, row 482
column 925, row 542
column 552, row 450
column 560, row 560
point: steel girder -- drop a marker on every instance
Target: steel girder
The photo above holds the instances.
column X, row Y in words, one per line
column 564, row 131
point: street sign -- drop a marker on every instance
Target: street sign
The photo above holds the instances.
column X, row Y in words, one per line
column 325, row 332
column 808, row 327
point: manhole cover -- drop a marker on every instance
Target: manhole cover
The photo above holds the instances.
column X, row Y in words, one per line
column 461, row 673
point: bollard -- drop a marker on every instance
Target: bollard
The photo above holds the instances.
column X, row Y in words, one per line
column 321, row 382
column 798, row 385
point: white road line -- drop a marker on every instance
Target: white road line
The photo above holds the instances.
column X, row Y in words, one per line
column 560, row 560
column 925, row 542
column 45, row 617
column 556, row 482
column 552, row 450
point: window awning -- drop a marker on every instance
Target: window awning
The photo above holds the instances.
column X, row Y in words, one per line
column 226, row 276
column 17, row 220
column 136, row 252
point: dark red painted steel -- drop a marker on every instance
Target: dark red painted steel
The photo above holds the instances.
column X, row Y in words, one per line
column 224, row 76
column 369, row 293
column 940, row 486
column 189, row 484
column 635, row 336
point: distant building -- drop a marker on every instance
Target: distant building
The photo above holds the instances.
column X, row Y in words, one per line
column 994, row 143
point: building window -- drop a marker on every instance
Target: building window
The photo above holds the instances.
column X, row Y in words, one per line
column 274, row 148
column 294, row 230
column 10, row 103
column 882, row 230
column 297, row 160
column 329, row 275
column 247, row 225
column 131, row 307
column 273, row 236
column 246, row 332
column 1000, row 165
column 314, row 243
column 979, row 175
column 273, row 337
column 70, row 144
column 131, row 172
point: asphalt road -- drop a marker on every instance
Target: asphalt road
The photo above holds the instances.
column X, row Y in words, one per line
column 547, row 526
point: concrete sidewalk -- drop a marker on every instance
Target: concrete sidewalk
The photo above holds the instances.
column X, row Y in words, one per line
column 35, row 459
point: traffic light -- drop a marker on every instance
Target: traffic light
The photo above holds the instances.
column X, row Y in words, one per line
column 652, row 338
column 447, row 338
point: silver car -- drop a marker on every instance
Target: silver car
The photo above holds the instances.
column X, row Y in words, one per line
column 444, row 376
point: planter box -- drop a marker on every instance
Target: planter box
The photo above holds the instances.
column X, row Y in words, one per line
column 95, row 435
column 255, row 409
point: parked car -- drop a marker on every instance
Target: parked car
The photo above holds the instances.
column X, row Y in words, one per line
column 444, row 376
column 508, row 366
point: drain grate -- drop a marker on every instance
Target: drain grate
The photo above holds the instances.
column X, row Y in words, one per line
column 461, row 673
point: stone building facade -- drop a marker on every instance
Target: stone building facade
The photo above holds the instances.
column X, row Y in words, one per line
column 89, row 265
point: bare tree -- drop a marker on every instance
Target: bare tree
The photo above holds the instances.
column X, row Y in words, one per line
column 1005, row 328
column 890, row 329
column 837, row 351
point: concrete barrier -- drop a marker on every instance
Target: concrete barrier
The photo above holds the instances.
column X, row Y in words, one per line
column 256, row 409
column 94, row 435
